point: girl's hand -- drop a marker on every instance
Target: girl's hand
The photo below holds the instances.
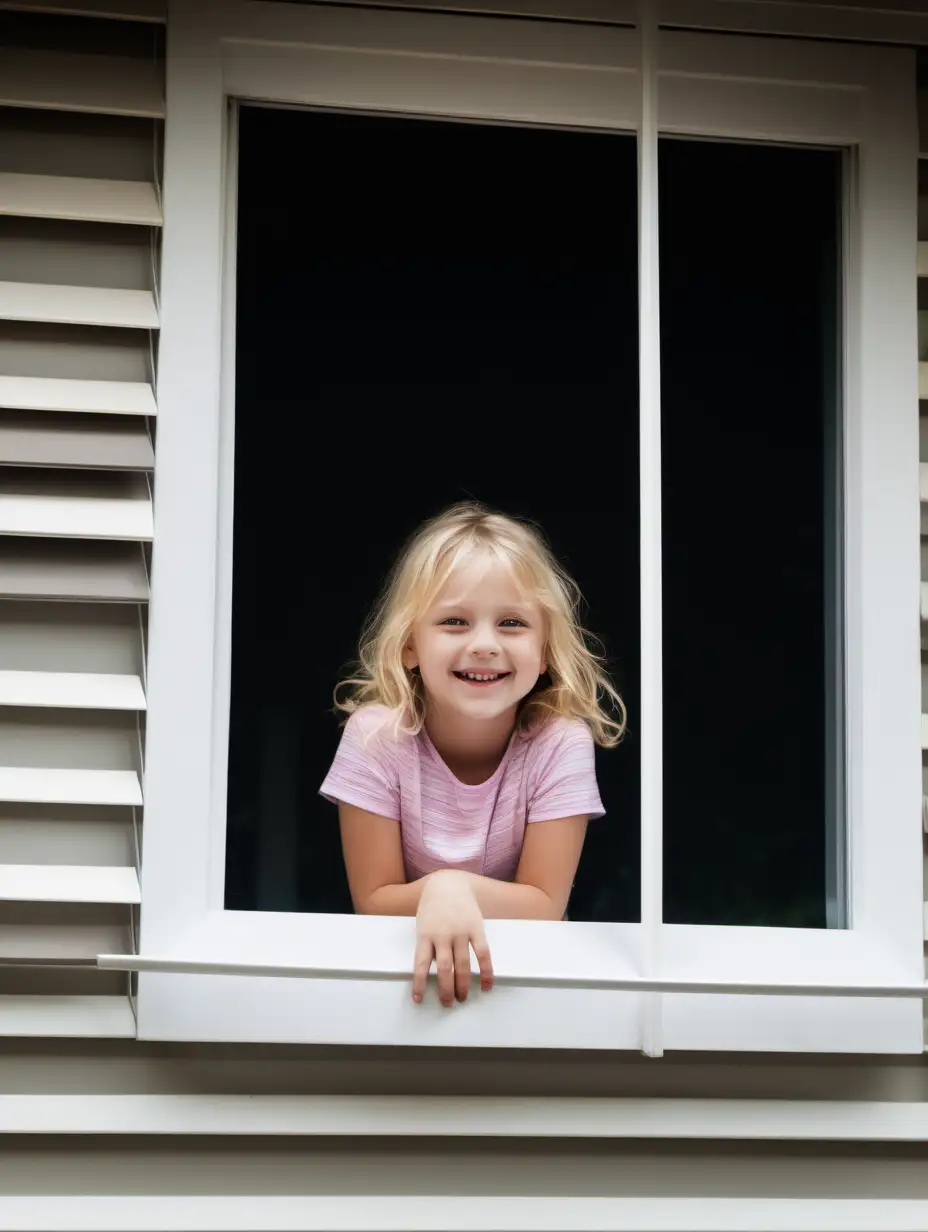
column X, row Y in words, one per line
column 448, row 924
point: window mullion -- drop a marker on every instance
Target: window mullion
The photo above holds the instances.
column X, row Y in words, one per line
column 650, row 545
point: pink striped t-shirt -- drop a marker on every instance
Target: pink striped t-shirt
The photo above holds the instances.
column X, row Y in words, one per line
column 545, row 773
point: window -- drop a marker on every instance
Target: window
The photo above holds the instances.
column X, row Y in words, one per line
column 778, row 163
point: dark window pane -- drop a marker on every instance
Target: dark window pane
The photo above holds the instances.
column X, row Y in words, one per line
column 426, row 311
column 750, row 240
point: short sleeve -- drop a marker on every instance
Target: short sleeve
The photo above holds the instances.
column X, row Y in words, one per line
column 364, row 772
column 565, row 776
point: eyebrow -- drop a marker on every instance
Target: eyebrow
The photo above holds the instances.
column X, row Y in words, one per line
column 449, row 604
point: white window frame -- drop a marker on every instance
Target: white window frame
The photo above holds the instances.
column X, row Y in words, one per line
column 556, row 979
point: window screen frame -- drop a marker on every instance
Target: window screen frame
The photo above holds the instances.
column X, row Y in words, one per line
column 519, row 71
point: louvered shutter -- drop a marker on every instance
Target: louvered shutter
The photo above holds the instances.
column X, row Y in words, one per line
column 81, row 112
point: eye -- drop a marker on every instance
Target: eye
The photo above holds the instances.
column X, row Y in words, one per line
column 513, row 623
column 455, row 622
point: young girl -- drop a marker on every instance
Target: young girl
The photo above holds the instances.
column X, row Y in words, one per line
column 472, row 725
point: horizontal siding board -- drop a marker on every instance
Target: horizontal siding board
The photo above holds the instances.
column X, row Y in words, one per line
column 84, row 570
column 481, row 1116
column 66, row 1017
column 62, row 883
column 64, row 305
column 64, row 81
column 78, row 690
column 39, row 785
column 454, row 1213
column 86, row 397
column 76, row 198
column 46, row 439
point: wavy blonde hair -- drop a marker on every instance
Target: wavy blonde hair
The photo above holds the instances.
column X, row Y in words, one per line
column 577, row 685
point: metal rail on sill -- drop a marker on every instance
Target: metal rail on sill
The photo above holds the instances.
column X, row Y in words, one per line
column 630, row 983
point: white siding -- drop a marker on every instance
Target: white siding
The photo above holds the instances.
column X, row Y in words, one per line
column 81, row 102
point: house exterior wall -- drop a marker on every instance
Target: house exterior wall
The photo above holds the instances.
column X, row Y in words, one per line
column 69, row 1065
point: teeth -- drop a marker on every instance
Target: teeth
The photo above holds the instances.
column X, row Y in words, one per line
column 481, row 676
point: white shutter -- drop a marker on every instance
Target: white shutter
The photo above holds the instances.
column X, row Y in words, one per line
column 81, row 108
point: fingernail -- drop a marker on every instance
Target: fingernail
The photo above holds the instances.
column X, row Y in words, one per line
column 417, row 997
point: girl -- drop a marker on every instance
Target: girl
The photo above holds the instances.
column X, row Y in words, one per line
column 472, row 725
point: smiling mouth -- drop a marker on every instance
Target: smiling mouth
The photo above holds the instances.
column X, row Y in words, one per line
column 481, row 678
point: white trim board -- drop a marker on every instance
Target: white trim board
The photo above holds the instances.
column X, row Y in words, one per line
column 418, row 1116
column 454, row 1213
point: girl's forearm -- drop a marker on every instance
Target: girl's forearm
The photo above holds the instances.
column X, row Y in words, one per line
column 498, row 900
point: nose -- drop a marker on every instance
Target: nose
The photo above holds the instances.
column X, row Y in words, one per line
column 485, row 640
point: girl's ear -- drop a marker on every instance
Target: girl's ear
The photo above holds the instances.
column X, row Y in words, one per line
column 410, row 658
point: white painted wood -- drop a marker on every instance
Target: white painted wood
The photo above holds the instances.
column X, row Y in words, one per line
column 66, row 1017
column 923, row 260
column 62, row 883
column 79, row 690
column 48, row 503
column 483, row 1116
column 36, row 301
column 71, row 197
column 38, row 393
column 44, row 439
column 116, row 10
column 98, row 570
column 651, row 547
column 66, row 81
column 925, row 731
column 31, row 785
column 454, row 1213
column 408, row 61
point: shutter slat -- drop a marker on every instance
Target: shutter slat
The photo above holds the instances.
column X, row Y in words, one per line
column 925, row 731
column 102, row 571
column 66, row 81
column 923, row 382
column 71, row 938
column 42, row 439
column 62, row 883
column 35, row 393
column 48, row 503
column 72, row 197
column 70, row 1017
column 116, row 10
column 32, row 785
column 63, row 305
column 71, row 690
column 923, row 260
column 923, row 480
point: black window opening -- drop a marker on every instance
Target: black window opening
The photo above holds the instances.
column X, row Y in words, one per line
column 429, row 311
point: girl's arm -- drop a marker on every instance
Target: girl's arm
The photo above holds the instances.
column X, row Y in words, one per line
column 543, row 880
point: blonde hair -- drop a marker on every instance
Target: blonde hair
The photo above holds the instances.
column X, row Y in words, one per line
column 578, row 686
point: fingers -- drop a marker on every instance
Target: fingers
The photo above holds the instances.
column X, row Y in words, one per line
column 460, row 949
column 452, row 961
column 484, row 961
column 421, row 965
column 444, row 963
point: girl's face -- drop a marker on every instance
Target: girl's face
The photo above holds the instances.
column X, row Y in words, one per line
column 480, row 647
